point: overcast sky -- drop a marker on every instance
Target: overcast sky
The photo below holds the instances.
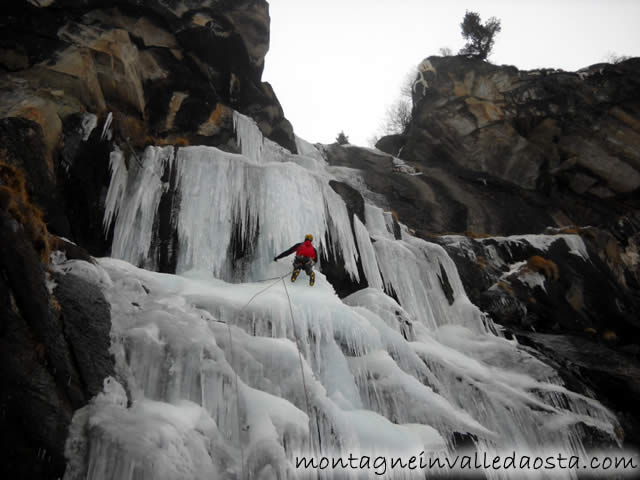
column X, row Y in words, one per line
column 339, row 64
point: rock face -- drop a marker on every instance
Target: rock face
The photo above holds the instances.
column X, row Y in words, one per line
column 525, row 126
column 506, row 152
column 573, row 282
column 54, row 352
column 161, row 72
column 565, row 142
column 572, row 296
column 79, row 79
column 442, row 199
column 538, row 173
column 169, row 69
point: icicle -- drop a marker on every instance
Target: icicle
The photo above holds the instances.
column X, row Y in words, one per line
column 106, row 129
column 250, row 138
column 367, row 254
column 235, row 212
column 376, row 377
column 137, row 204
column 117, row 187
column 378, row 372
column 377, row 222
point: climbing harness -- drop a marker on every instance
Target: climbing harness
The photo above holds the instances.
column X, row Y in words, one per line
column 295, row 334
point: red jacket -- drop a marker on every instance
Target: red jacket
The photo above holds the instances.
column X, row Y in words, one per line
column 305, row 249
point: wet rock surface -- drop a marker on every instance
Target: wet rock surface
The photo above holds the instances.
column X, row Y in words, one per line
column 54, row 355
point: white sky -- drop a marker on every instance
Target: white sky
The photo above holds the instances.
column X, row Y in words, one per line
column 339, row 64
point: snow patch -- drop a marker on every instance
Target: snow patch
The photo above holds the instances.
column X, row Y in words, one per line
column 543, row 242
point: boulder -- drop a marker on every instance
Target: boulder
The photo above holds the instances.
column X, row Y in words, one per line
column 391, row 144
column 86, row 318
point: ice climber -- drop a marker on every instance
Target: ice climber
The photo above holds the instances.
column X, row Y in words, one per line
column 306, row 257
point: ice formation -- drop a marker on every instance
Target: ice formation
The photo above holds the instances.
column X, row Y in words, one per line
column 224, row 375
column 574, row 243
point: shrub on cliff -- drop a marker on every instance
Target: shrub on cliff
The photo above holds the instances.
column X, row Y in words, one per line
column 540, row 264
column 14, row 200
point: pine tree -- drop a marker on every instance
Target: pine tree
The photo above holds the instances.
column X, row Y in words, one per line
column 480, row 38
column 342, row 139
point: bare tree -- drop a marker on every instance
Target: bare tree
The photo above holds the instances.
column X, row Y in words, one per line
column 445, row 52
column 406, row 89
column 398, row 115
column 613, row 57
column 479, row 37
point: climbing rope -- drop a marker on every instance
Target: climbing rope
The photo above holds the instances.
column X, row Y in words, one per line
column 235, row 370
column 237, row 403
column 295, row 333
column 304, row 382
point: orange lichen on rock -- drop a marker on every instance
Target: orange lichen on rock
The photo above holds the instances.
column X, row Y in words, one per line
column 218, row 114
column 540, row 264
column 14, row 199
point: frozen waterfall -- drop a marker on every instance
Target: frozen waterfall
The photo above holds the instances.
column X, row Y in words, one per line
column 210, row 387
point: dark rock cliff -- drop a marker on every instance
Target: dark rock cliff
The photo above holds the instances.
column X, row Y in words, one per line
column 168, row 72
column 512, row 151
column 499, row 152
column 162, row 72
column 54, row 353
